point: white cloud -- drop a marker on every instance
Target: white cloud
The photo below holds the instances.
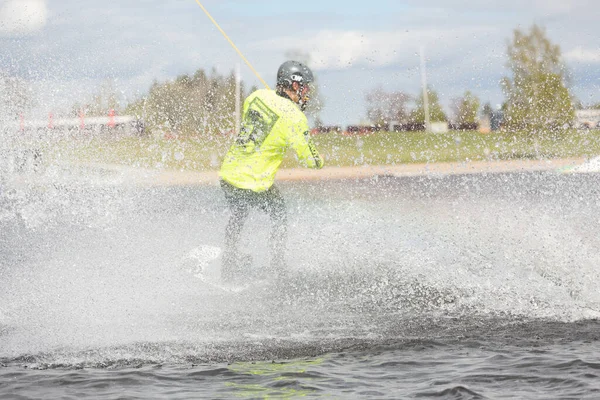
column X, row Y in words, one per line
column 538, row 7
column 22, row 17
column 336, row 50
column 86, row 42
column 586, row 55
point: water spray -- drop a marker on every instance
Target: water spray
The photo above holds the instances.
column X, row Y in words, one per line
column 232, row 44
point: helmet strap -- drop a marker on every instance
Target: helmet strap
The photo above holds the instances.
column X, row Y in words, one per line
column 302, row 101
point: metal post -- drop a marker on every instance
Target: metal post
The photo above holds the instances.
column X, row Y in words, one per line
column 425, row 96
column 238, row 99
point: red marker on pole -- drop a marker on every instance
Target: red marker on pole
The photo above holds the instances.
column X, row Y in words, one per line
column 81, row 120
column 111, row 120
column 50, row 122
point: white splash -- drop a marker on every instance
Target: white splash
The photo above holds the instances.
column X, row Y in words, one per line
column 592, row 165
column 22, row 17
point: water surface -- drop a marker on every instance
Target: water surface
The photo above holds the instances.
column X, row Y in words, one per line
column 474, row 286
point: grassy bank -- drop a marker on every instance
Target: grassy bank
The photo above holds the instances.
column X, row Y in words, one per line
column 199, row 153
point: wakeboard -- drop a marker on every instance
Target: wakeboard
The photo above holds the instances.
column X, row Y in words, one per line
column 204, row 263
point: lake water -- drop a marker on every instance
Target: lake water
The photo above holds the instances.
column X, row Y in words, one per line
column 463, row 287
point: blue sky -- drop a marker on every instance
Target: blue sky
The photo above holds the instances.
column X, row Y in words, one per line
column 66, row 49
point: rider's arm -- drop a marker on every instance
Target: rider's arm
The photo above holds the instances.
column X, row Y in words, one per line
column 302, row 143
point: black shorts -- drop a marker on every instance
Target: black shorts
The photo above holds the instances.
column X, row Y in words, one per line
column 269, row 201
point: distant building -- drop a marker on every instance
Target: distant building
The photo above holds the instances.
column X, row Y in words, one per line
column 587, row 119
column 22, row 140
column 496, row 120
column 124, row 125
column 438, row 127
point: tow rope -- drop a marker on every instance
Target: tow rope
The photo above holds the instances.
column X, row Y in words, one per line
column 232, row 44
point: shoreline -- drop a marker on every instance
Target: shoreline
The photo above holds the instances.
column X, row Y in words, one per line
column 360, row 172
column 111, row 174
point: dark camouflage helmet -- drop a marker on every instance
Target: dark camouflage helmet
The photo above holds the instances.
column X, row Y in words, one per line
column 293, row 71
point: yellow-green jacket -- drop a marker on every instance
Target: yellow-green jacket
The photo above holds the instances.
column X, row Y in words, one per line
column 270, row 125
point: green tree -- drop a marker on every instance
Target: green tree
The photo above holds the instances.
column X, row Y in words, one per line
column 536, row 96
column 465, row 108
column 487, row 110
column 436, row 113
column 384, row 107
column 107, row 98
column 200, row 103
column 15, row 96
